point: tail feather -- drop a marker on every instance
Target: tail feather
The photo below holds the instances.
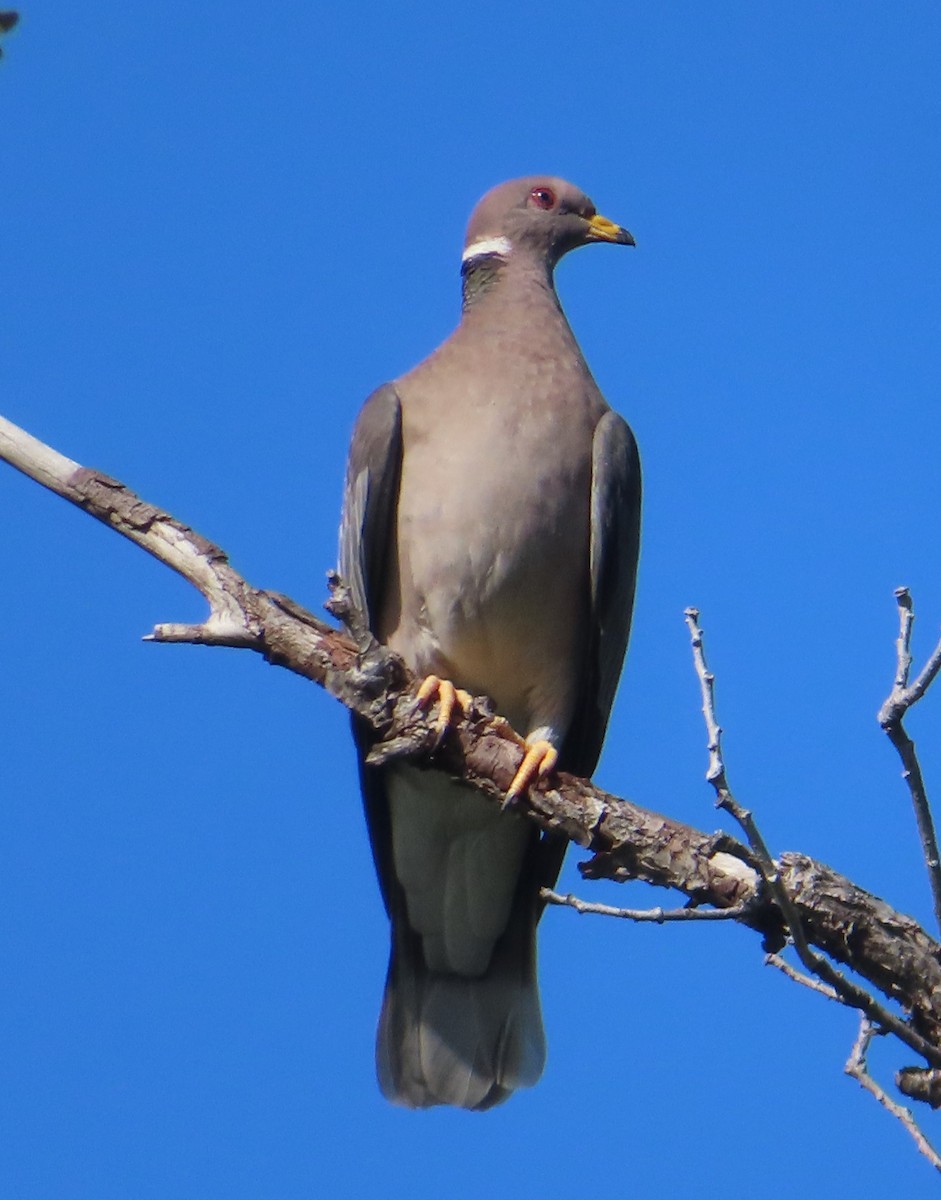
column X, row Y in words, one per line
column 469, row 1033
column 450, row 1039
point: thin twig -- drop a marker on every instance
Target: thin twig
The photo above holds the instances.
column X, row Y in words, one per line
column 659, row 916
column 851, row 992
column 716, row 773
column 775, row 960
column 857, row 1068
column 891, row 715
column 903, row 643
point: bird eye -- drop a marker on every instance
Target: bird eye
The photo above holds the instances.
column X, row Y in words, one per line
column 543, row 198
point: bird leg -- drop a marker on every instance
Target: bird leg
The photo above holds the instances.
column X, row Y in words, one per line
column 540, row 758
column 449, row 697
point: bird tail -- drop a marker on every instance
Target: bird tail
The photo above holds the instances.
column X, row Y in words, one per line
column 452, row 1039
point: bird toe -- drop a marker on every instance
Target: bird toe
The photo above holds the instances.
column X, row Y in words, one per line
column 452, row 701
column 540, row 758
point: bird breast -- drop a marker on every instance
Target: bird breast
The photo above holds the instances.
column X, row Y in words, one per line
column 492, row 544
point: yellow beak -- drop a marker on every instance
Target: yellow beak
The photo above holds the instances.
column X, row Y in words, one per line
column 600, row 229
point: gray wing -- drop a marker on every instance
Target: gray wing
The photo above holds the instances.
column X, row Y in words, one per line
column 615, row 548
column 367, row 526
column 367, row 533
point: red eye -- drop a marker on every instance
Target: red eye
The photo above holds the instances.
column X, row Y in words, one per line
column 543, row 197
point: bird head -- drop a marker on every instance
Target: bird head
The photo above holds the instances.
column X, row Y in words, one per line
column 538, row 216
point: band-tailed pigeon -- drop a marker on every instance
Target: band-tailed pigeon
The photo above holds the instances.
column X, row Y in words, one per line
column 490, row 534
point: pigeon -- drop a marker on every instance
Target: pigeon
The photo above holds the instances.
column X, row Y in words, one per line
column 490, row 537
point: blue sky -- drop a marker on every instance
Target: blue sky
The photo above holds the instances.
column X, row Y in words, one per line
column 222, row 227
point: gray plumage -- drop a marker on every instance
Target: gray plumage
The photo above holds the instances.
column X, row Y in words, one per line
column 490, row 534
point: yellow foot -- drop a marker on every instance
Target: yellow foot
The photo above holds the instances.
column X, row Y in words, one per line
column 540, row 758
column 449, row 699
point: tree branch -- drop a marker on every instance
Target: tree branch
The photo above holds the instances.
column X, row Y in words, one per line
column 660, row 916
column 848, row 991
column 857, row 1068
column 625, row 841
column 807, row 981
column 891, row 715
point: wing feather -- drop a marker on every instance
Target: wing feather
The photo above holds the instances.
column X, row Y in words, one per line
column 615, row 548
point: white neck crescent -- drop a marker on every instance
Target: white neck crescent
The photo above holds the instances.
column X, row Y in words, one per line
column 490, row 245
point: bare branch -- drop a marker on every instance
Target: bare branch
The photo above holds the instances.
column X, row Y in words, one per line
column 807, row 981
column 851, row 993
column 891, row 715
column 716, row 773
column 903, row 697
column 659, row 916
column 857, row 1068
column 903, row 643
column 626, row 841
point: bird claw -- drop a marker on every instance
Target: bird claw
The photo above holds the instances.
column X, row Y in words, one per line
column 538, row 761
column 450, row 699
